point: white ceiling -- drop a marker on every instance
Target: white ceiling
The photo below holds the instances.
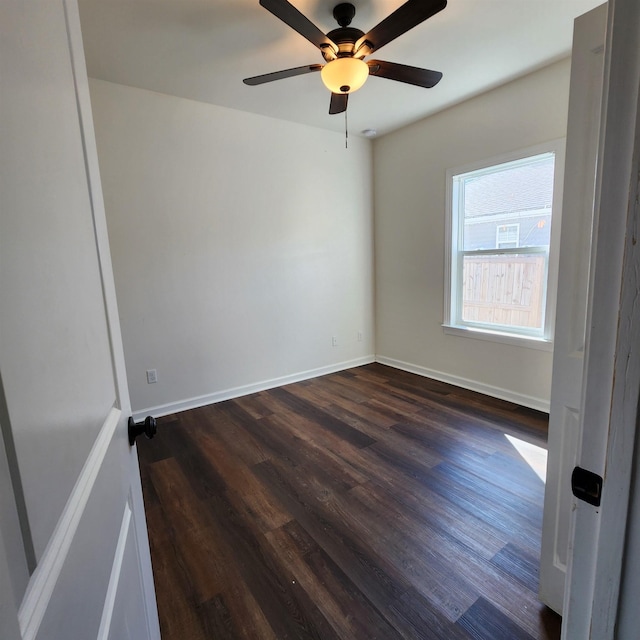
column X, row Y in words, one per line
column 202, row 49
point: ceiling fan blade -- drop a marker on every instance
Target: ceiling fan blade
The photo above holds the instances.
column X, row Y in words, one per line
column 405, row 17
column 279, row 75
column 338, row 103
column 404, row 73
column 298, row 22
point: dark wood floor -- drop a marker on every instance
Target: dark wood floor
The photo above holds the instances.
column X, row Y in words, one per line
column 369, row 503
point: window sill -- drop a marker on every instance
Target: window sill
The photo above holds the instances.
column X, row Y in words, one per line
column 541, row 344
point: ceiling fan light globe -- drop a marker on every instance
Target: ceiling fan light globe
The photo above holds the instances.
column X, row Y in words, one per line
column 344, row 75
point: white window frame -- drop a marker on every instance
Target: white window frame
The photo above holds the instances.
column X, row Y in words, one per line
column 453, row 237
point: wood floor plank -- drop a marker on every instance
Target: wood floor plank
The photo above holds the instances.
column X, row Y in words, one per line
column 218, row 621
column 173, row 489
column 327, row 421
column 271, row 442
column 191, row 538
column 421, row 621
column 456, row 566
column 288, row 610
column 506, row 498
column 366, row 621
column 377, row 391
column 377, row 580
column 360, row 409
column 361, row 418
column 255, row 405
column 368, row 503
column 177, row 606
column 418, row 559
column 247, row 617
column 516, row 475
column 319, row 447
column 312, row 392
column 478, row 500
column 469, row 405
column 339, row 385
column 451, row 432
column 238, row 478
column 189, row 567
column 522, row 566
column 484, row 622
column 424, row 513
column 238, row 440
column 348, row 611
column 206, row 564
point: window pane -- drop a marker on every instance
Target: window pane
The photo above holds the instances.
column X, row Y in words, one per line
column 504, row 290
column 509, row 205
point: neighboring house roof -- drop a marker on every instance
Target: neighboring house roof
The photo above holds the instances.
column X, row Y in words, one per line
column 521, row 188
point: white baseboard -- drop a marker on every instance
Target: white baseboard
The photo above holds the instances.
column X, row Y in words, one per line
column 236, row 392
column 473, row 385
column 228, row 394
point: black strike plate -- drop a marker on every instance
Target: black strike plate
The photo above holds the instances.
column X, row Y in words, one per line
column 586, row 486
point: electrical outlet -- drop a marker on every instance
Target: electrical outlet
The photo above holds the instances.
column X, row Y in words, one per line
column 152, row 376
column 334, row 341
column 359, row 336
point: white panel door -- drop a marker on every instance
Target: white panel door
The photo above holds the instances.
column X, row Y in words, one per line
column 75, row 479
column 595, row 591
column 573, row 283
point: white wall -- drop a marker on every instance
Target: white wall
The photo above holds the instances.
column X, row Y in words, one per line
column 409, row 197
column 241, row 245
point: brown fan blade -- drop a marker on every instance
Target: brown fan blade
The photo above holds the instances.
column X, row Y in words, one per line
column 338, row 103
column 403, row 19
column 279, row 75
column 286, row 12
column 404, row 73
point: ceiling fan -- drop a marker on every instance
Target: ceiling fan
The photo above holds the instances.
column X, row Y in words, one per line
column 345, row 48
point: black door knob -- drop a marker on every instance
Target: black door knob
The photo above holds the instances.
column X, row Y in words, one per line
column 148, row 427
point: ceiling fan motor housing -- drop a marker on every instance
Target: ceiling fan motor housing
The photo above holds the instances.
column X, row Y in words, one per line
column 344, row 36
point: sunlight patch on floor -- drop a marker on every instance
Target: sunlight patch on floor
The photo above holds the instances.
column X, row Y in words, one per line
column 535, row 457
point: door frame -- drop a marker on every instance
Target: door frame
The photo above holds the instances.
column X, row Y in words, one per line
column 612, row 371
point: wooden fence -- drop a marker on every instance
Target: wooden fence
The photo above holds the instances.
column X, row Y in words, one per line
column 506, row 290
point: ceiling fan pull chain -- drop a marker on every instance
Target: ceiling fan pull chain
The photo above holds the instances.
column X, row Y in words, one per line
column 346, row 134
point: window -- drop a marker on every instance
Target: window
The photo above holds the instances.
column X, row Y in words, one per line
column 502, row 265
column 507, row 235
